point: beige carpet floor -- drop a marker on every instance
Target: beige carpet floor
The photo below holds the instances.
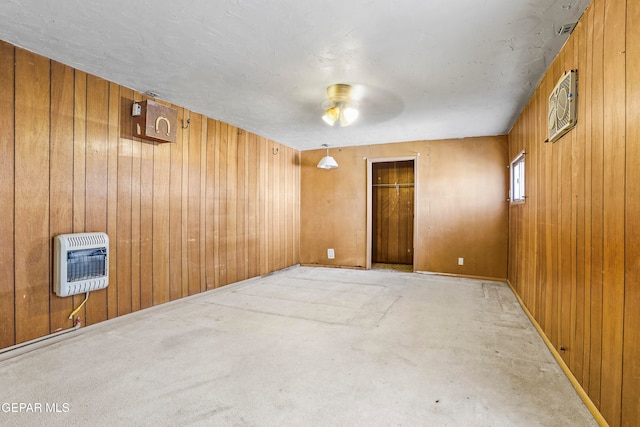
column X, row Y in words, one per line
column 303, row 347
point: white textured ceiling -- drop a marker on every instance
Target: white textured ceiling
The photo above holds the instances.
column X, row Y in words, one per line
column 424, row 69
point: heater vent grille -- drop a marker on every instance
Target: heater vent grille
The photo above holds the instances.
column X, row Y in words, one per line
column 562, row 106
column 81, row 263
column 86, row 239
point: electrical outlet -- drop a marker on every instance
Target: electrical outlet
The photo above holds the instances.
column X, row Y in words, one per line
column 460, row 261
column 331, row 254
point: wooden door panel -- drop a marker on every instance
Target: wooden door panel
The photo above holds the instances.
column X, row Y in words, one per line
column 392, row 209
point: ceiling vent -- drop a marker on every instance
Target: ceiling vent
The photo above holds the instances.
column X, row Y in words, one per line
column 563, row 106
column 566, row 29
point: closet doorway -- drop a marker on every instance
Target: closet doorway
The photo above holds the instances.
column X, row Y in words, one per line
column 391, row 218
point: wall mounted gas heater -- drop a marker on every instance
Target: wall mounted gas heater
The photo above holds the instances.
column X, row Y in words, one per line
column 81, row 263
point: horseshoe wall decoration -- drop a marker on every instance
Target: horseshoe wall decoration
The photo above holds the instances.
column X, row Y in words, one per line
column 150, row 122
column 163, row 119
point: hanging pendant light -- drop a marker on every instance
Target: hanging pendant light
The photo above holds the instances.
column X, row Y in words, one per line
column 339, row 107
column 327, row 162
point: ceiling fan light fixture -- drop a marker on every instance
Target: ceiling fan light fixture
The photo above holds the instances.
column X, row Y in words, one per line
column 348, row 115
column 339, row 107
column 331, row 115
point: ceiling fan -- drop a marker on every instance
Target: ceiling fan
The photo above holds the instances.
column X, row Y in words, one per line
column 340, row 107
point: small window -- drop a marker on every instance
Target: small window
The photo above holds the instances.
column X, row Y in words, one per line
column 517, row 179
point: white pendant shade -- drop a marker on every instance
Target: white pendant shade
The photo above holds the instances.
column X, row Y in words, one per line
column 327, row 162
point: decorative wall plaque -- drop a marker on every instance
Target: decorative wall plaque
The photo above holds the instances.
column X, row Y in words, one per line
column 156, row 122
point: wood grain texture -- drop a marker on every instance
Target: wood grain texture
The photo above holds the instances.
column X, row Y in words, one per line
column 597, row 190
column 175, row 210
column 215, row 183
column 184, row 206
column 588, row 293
column 112, row 197
column 232, row 203
column 587, row 80
column 221, row 164
column 193, row 208
column 241, row 207
column 32, row 244
column 210, row 199
column 7, row 186
column 203, row 202
column 61, row 175
column 136, row 220
column 145, row 194
column 392, row 219
column 631, row 378
column 253, row 212
column 124, row 210
column 614, row 210
column 96, row 171
column 161, row 214
column 78, row 168
column 578, row 219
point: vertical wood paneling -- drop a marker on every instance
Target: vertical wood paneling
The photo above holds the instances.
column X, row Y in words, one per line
column 136, row 220
column 597, row 190
column 281, row 233
column 274, row 206
column 61, row 174
column 296, row 218
column 216, row 205
column 262, row 206
column 185, row 205
column 125, row 207
column 614, row 215
column 565, row 229
column 587, row 80
column 112, row 201
column 96, row 163
column 221, row 164
column 593, row 247
column 578, row 219
column 7, row 183
column 203, row 203
column 175, row 211
column 161, row 227
column 556, row 208
column 210, row 198
column 168, row 208
column 79, row 165
column 147, row 272
column 32, row 244
column 193, row 209
column 241, row 190
column 232, row 197
column 631, row 354
column 253, row 212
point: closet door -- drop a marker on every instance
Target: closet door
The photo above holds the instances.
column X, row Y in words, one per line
column 392, row 212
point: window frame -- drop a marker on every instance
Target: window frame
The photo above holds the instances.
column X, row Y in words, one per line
column 518, row 166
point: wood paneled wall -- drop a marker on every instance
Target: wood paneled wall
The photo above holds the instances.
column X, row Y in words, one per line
column 574, row 253
column 219, row 206
column 462, row 209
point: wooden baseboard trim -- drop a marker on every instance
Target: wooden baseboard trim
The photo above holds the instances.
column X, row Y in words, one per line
column 346, row 267
column 583, row 394
column 463, row 276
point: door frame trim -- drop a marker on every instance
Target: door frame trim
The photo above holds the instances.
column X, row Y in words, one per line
column 370, row 163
